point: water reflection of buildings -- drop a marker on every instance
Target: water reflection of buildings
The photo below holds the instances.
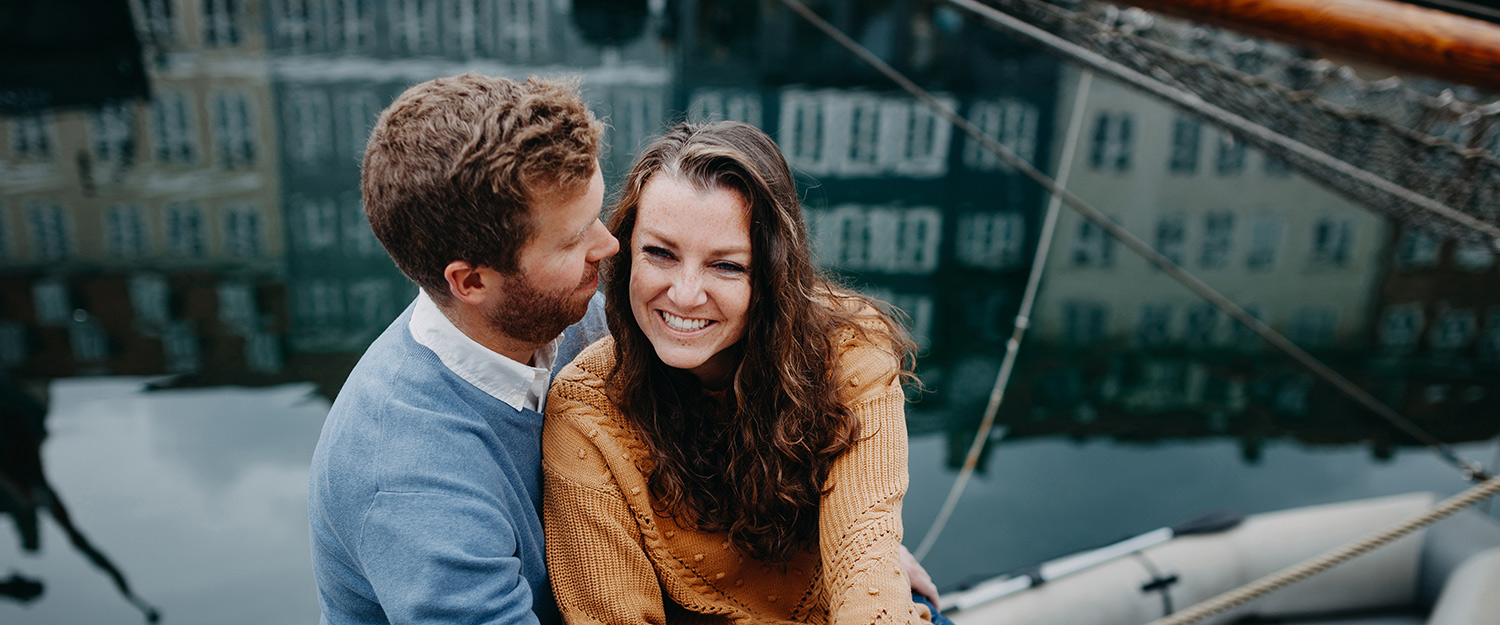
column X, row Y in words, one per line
column 338, row 64
column 114, row 216
column 901, row 204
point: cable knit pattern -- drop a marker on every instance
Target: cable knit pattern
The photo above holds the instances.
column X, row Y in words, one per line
column 613, row 560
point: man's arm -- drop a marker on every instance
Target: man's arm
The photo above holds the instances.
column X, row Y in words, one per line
column 443, row 558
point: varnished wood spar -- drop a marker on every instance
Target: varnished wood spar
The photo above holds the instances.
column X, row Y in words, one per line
column 1396, row 35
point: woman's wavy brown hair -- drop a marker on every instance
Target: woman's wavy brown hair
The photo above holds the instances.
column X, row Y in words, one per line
column 756, row 464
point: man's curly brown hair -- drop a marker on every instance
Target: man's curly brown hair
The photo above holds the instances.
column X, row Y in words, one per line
column 455, row 167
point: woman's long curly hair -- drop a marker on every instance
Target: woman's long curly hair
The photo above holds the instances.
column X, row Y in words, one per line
column 755, row 464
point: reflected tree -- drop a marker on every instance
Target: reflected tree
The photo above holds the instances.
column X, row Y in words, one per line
column 25, row 491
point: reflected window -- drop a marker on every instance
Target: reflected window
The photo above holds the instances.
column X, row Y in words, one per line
column 13, row 347
column 1231, row 157
column 1111, row 146
column 801, row 134
column 125, row 231
column 31, row 137
column 924, row 148
column 172, row 127
column 156, row 22
column 991, row 240
column 414, row 24
column 184, row 228
column 1093, row 247
column 317, row 223
column 515, row 30
column 359, row 239
column 862, row 156
column 180, row 344
column 370, row 308
column 49, row 230
column 349, row 26
column 1187, row 135
column 1473, row 256
column 263, row 353
column 112, row 130
column 1155, row 327
column 149, row 299
column 243, row 233
column 308, row 127
column 1012, row 123
column 221, row 23
column 294, row 24
column 722, row 104
column 1265, row 241
column 1084, row 321
column 54, row 305
column 1201, row 325
column 879, row 239
column 234, row 129
column 1417, row 250
column 360, row 110
column 1401, row 327
column 237, row 307
column 1313, row 326
column 1218, row 234
column 634, row 117
column 458, row 27
column 318, row 304
column 1171, row 236
column 1453, row 329
column 1333, row 241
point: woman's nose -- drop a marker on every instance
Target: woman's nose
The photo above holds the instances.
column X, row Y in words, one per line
column 687, row 289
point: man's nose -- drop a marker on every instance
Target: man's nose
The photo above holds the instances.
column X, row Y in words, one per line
column 605, row 244
column 687, row 289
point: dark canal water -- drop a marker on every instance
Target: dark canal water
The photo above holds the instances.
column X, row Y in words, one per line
column 186, row 279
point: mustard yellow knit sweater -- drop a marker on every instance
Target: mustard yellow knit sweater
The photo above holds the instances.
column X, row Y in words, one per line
column 613, row 560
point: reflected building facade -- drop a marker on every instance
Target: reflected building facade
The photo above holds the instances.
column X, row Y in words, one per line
column 338, row 64
column 114, row 217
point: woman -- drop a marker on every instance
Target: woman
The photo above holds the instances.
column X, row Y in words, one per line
column 738, row 450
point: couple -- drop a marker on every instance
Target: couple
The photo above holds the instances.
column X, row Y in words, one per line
column 736, row 452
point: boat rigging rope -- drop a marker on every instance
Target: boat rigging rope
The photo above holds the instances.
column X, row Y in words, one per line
column 1241, row 125
column 1325, row 561
column 1470, row 469
column 1022, row 322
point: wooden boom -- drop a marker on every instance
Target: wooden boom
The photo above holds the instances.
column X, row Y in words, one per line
column 1396, row 35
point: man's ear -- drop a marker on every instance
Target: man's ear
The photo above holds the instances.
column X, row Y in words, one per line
column 469, row 283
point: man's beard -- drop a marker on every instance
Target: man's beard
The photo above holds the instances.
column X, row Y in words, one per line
column 529, row 314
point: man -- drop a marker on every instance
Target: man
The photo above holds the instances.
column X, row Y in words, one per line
column 425, row 491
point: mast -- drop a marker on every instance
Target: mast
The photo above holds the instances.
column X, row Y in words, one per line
column 1392, row 34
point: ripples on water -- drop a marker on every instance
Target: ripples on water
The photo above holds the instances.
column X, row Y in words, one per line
column 186, row 279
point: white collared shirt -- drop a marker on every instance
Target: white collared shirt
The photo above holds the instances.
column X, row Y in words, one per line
column 519, row 385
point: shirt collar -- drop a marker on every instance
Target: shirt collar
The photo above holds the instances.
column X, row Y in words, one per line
column 519, row 385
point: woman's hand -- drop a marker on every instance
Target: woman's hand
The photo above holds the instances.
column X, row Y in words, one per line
column 920, row 580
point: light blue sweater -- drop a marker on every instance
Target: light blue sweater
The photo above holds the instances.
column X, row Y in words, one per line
column 425, row 493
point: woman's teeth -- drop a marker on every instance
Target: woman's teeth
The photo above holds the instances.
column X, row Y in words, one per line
column 682, row 324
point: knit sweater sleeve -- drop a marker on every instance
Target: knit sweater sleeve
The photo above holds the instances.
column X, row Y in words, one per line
column 598, row 565
column 859, row 521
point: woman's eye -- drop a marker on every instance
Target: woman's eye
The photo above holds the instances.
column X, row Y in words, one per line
column 728, row 267
column 656, row 252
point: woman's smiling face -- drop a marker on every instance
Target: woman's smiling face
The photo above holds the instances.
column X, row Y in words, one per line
column 690, row 275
